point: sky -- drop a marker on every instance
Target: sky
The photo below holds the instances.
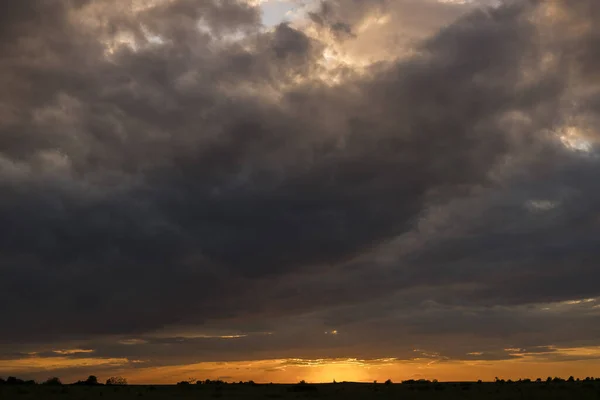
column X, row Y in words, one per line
column 282, row 190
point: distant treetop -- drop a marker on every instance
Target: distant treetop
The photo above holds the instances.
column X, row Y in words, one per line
column 54, row 381
column 116, row 380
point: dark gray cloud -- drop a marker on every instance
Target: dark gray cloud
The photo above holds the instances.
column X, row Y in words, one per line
column 180, row 165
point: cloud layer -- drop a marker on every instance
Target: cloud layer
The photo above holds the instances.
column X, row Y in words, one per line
column 174, row 165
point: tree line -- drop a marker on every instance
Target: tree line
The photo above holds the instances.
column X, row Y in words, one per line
column 92, row 380
column 550, row 379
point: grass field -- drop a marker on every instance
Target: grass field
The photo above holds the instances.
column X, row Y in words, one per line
column 571, row 391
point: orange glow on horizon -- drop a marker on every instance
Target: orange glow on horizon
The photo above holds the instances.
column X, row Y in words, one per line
column 279, row 371
column 585, row 363
column 38, row 364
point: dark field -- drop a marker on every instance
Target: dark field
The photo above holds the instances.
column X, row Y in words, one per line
column 575, row 391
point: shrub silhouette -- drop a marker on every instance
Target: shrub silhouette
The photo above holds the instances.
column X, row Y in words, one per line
column 2, row 381
column 92, row 380
column 388, row 382
column 209, row 382
column 116, row 380
column 14, row 381
column 54, row 381
column 420, row 381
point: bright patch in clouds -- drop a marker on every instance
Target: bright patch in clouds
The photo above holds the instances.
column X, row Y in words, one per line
column 573, row 139
column 542, row 205
column 72, row 351
column 276, row 11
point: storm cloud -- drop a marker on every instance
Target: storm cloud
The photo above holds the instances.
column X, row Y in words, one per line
column 175, row 163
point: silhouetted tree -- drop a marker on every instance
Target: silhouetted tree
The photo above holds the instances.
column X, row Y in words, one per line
column 116, row 380
column 549, row 379
column 538, row 380
column 92, row 380
column 388, row 382
column 183, row 383
column 571, row 379
column 420, row 381
column 54, row 381
column 2, row 381
column 14, row 381
column 215, row 382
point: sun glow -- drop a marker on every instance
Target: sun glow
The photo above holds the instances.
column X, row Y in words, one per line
column 338, row 371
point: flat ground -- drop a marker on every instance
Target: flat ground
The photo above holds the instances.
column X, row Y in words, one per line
column 529, row 391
